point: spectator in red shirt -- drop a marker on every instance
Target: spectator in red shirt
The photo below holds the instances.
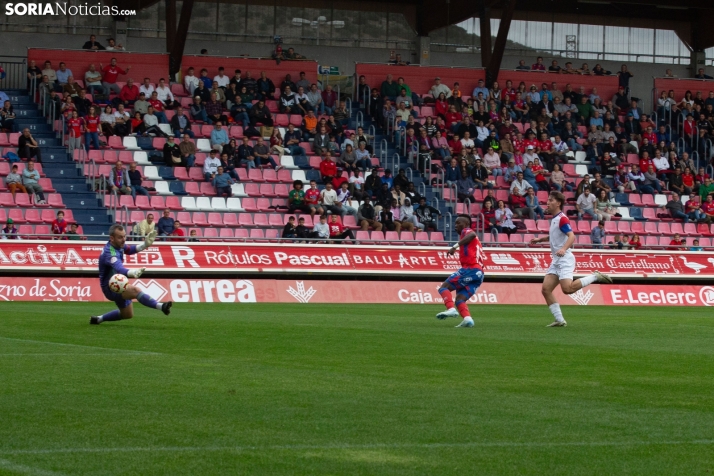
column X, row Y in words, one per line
column 158, row 108
column 74, row 125
column 128, row 95
column 312, row 199
column 328, row 169
column 538, row 65
column 545, row 150
column 59, row 225
column 329, row 100
column 645, row 161
column 688, row 178
column 708, row 209
column 178, row 233
column 455, row 146
column 676, row 243
column 91, row 129
column 453, row 118
column 338, row 231
column 110, row 73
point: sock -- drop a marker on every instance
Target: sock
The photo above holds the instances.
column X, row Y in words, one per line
column 446, row 295
column 587, row 280
column 463, row 309
column 110, row 316
column 555, row 310
column 148, row 301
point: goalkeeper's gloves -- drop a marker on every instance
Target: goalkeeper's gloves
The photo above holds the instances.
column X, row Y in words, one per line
column 148, row 241
column 136, row 273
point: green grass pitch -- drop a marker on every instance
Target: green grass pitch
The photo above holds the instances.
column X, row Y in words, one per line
column 355, row 389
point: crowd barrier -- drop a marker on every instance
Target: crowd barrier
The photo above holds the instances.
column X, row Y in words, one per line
column 221, row 258
column 183, row 290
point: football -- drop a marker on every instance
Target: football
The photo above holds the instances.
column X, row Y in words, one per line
column 118, row 283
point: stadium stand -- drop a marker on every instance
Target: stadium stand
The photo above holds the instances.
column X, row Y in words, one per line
column 258, row 208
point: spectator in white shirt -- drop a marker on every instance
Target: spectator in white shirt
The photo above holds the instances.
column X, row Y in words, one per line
column 147, row 88
column 164, row 94
column 210, row 166
column 586, row 204
column 530, row 155
column 439, row 88
column 492, row 162
column 190, row 82
column 467, row 142
column 221, row 78
column 328, row 198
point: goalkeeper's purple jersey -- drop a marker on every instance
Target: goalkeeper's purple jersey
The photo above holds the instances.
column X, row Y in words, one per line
column 111, row 262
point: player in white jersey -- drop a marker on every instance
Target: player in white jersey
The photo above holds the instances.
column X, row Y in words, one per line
column 561, row 238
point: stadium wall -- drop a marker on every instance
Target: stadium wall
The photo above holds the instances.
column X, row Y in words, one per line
column 232, row 290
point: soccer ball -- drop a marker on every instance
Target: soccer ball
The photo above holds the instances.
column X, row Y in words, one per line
column 118, row 283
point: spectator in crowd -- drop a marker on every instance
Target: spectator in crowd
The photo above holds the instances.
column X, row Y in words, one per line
column 296, row 199
column 7, row 116
column 178, row 234
column 597, row 235
column 329, row 202
column 119, row 180
column 145, row 227
column 636, row 177
column 14, row 182
column 465, row 187
column 59, row 225
column 532, row 203
column 31, row 181
column 586, row 204
column 289, row 230
column 265, row 87
column 210, row 165
column 214, row 110
column 261, row 151
column 407, row 214
column 187, row 150
column 693, row 209
column 246, row 155
column 219, row 137
column 260, row 115
column 675, row 208
column 367, row 216
column 181, row 124
column 147, row 88
column 695, row 246
column 292, row 140
column 190, row 81
column 439, row 88
column 28, row 147
column 605, row 208
column 677, row 244
column 504, row 219
column 328, row 170
column 93, row 81
column 518, row 191
column 222, row 181
column 63, row 74
column 706, row 189
column 427, row 215
column 165, row 225
column 338, row 230
column 73, row 233
column 110, row 73
column 320, row 230
column 113, row 46
column 702, row 75
column 93, row 44
column 151, row 124
column 135, row 180
column 10, row 230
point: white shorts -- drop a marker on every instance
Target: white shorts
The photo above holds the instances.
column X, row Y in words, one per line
column 563, row 267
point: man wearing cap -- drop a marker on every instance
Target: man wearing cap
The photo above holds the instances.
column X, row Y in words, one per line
column 439, row 88
column 141, row 104
column 511, row 171
column 530, row 154
column 10, row 231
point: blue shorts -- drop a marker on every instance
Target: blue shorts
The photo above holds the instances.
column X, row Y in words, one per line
column 116, row 298
column 466, row 281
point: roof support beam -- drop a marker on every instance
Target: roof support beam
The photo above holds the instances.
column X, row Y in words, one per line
column 485, row 22
column 494, row 64
column 179, row 41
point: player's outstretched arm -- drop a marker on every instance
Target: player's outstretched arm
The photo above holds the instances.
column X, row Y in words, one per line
column 542, row 239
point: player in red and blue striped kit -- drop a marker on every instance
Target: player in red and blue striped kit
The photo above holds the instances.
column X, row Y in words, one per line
column 111, row 262
column 466, row 280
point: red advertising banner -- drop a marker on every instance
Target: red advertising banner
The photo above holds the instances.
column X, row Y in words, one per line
column 194, row 290
column 227, row 258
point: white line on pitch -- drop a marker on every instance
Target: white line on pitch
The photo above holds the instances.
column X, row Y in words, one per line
column 22, row 469
column 32, row 341
column 40, row 354
column 475, row 444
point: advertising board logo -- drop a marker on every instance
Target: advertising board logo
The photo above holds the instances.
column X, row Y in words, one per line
column 706, row 295
column 152, row 288
column 504, row 258
column 582, row 298
column 301, row 294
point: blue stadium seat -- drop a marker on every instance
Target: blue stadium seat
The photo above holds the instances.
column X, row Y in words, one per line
column 177, row 188
column 145, row 143
column 636, row 213
column 167, row 173
column 301, row 161
column 622, row 199
column 313, row 174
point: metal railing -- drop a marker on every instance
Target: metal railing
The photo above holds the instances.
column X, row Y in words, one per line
column 371, row 132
